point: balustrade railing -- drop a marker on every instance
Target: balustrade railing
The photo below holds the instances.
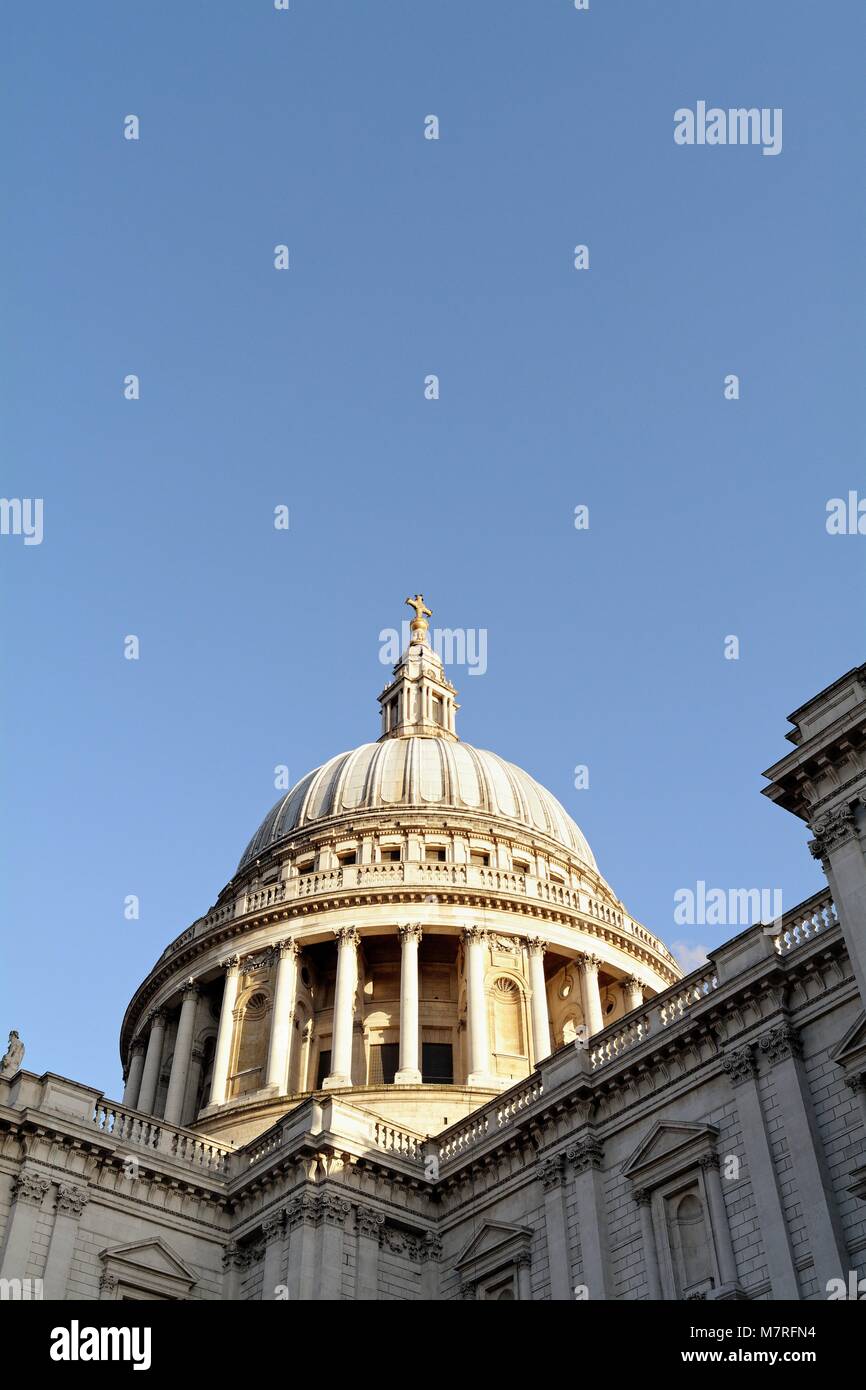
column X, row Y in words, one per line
column 129, row 1127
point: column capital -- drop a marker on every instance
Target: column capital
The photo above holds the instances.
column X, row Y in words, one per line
column 369, row 1222
column 779, row 1042
column 191, row 988
column 739, row 1064
column 473, row 936
column 587, row 1153
column 155, row 1018
column 230, row 964
column 273, row 1226
column 71, row 1200
column 642, row 1196
column 30, row 1188
column 832, row 830
column 536, row 945
column 710, row 1162
column 857, row 1082
column 588, row 963
column 286, row 947
column 410, row 931
column 334, row 1210
column 550, row 1172
column 138, row 1045
column 633, row 983
column 346, row 936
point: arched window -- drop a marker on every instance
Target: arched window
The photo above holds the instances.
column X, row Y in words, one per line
column 690, row 1243
column 252, row 1045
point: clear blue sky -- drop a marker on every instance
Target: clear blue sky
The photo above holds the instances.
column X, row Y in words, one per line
column 409, row 257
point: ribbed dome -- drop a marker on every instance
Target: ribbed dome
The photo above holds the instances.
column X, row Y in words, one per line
column 427, row 773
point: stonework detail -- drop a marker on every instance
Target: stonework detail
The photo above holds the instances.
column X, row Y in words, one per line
column 71, row 1200
column 30, row 1188
column 780, row 1042
column 832, row 830
column 739, row 1065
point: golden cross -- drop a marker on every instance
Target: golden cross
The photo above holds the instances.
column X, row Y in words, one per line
column 421, row 609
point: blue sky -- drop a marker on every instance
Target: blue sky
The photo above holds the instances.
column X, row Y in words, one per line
column 557, row 388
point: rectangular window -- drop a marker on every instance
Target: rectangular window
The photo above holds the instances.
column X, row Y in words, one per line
column 434, row 856
column 324, row 1068
column 437, row 1064
column 479, row 858
column 390, row 856
column 384, row 1060
column 349, row 857
column 308, row 867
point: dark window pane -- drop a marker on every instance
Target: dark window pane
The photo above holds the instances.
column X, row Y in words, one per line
column 324, row 1068
column 437, row 1065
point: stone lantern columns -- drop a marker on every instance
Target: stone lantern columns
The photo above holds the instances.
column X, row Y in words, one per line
column 132, row 1088
column 344, row 1008
column 540, row 1019
column 409, row 1072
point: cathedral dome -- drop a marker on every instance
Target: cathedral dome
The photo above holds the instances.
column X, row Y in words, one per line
column 421, row 773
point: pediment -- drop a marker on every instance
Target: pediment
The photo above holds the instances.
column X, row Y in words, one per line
column 154, row 1258
column 496, row 1240
column 850, row 1051
column 668, row 1145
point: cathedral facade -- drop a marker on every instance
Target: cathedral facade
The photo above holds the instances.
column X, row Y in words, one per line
column 419, row 1049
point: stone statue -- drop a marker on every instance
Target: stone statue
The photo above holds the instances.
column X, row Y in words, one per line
column 11, row 1062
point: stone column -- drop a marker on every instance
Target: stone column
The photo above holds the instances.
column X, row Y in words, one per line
column 536, row 948
column 409, row 1073
column 71, row 1201
column 556, row 1228
column 368, row 1226
column 830, row 1257
column 588, row 966
column 273, row 1229
column 719, row 1219
column 223, row 1052
column 303, row 1215
column 133, row 1078
column 837, row 844
column 740, row 1067
column 182, row 1053
column 632, row 990
column 524, row 1277
column 235, row 1261
column 280, row 1041
column 475, row 941
column 586, row 1156
column 344, row 1008
column 334, row 1212
column 650, row 1250
column 431, row 1256
column 28, row 1194
column 152, row 1062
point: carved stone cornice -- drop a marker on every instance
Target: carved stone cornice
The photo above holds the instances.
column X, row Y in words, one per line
column 586, row 1153
column 30, row 1188
column 71, row 1200
column 779, row 1042
column 833, row 829
column 739, row 1064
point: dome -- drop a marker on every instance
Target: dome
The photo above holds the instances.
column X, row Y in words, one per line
column 422, row 773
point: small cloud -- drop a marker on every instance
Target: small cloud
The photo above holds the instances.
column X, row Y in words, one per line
column 689, row 957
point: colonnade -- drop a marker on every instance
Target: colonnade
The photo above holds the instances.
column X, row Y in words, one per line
column 146, row 1059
